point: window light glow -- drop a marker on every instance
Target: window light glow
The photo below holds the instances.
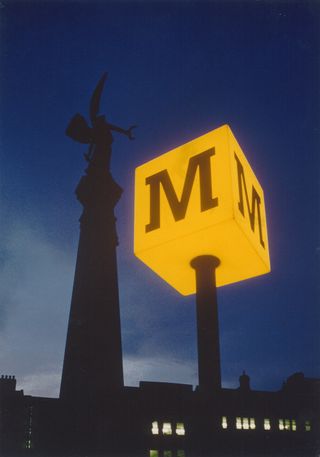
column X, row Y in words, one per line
column 267, row 424
column 155, row 429
column 28, row 443
column 224, row 422
column 167, row 454
column 153, row 453
column 180, row 430
column 245, row 423
column 307, row 426
column 167, row 429
column 288, row 424
column 181, row 453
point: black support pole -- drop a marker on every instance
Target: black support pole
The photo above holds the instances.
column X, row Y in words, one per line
column 207, row 322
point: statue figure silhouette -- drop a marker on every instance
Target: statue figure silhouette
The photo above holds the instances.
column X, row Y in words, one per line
column 99, row 136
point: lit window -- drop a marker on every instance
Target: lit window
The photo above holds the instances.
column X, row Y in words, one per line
column 307, row 426
column 238, row 423
column 28, row 443
column 167, row 454
column 155, row 429
column 287, row 424
column 224, row 422
column 244, row 423
column 153, row 453
column 166, row 429
column 181, row 453
column 267, row 424
column 180, row 429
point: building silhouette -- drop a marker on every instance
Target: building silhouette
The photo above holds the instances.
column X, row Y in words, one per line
column 96, row 415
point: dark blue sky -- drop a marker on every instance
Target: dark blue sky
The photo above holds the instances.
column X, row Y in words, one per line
column 177, row 70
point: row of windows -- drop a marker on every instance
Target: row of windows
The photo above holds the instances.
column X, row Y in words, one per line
column 249, row 423
column 245, row 423
column 287, row 424
column 241, row 423
column 167, row 428
column 166, row 453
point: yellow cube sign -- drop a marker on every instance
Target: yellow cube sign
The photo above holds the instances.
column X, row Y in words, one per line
column 201, row 198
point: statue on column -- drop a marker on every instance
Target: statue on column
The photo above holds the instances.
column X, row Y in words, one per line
column 97, row 191
column 99, row 136
column 93, row 355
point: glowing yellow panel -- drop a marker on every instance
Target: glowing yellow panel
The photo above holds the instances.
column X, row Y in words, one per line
column 201, row 198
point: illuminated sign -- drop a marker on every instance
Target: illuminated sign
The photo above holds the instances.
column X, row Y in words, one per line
column 201, row 198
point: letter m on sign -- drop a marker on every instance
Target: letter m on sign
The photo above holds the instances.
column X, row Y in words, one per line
column 254, row 206
column 200, row 162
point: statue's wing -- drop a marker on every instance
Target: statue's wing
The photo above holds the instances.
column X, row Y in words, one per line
column 78, row 130
column 95, row 99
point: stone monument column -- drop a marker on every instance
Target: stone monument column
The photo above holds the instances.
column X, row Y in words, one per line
column 93, row 355
column 92, row 365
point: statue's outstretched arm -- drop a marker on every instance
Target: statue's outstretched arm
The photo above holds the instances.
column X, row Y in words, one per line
column 128, row 132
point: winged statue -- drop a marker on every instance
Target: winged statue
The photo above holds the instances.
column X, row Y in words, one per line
column 98, row 136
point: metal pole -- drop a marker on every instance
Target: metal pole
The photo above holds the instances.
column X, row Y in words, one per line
column 207, row 322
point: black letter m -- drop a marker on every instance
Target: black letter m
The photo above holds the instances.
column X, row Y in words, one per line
column 255, row 200
column 179, row 207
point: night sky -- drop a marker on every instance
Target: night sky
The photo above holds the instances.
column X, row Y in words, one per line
column 177, row 70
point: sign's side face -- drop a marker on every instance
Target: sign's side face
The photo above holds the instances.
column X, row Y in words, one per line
column 248, row 201
column 200, row 198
